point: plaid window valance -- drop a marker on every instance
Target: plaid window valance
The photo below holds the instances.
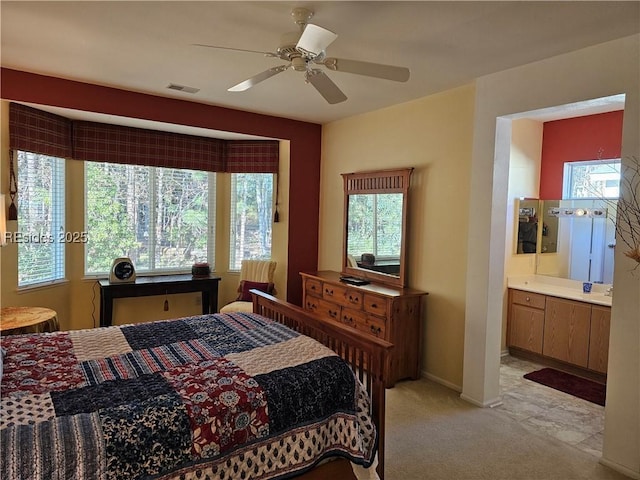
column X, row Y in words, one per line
column 251, row 156
column 99, row 142
column 42, row 132
column 33, row 130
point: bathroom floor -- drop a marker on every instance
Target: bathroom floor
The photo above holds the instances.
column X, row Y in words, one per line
column 572, row 420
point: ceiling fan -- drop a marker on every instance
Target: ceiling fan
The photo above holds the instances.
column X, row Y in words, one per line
column 304, row 50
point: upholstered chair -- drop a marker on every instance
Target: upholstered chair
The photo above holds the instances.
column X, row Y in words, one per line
column 254, row 274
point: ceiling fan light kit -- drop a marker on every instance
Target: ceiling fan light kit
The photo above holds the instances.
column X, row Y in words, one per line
column 306, row 49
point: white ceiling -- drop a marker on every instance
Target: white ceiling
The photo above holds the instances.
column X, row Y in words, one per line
column 144, row 46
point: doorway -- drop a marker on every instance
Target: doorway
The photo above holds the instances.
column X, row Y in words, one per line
column 535, row 406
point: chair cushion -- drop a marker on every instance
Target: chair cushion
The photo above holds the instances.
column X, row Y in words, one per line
column 246, row 307
column 247, row 285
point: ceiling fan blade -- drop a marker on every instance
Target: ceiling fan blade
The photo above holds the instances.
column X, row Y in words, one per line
column 325, row 86
column 268, row 54
column 250, row 82
column 315, row 39
column 388, row 72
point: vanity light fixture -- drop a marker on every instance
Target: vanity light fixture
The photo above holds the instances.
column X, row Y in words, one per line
column 577, row 212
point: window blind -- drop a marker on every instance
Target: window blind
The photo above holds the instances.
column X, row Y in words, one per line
column 41, row 236
column 251, row 214
column 163, row 219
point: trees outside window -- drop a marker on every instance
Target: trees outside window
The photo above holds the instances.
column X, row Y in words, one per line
column 374, row 226
column 41, row 236
column 161, row 218
column 251, row 217
column 592, row 179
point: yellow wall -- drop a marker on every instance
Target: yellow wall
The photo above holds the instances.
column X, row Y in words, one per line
column 77, row 300
column 433, row 135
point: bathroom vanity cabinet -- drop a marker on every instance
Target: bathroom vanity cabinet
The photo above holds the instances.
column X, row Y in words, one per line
column 572, row 332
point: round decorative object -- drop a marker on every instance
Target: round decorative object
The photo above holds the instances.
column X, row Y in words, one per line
column 200, row 269
column 122, row 270
column 368, row 259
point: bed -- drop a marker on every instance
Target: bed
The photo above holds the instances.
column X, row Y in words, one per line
column 266, row 395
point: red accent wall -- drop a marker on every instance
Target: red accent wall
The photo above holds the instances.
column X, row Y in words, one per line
column 305, row 144
column 577, row 139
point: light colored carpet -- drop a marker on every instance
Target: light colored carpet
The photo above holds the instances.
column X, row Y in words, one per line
column 433, row 434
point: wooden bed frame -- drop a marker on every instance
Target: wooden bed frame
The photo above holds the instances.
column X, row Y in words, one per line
column 367, row 356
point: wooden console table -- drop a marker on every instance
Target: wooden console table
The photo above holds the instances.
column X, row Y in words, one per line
column 158, row 285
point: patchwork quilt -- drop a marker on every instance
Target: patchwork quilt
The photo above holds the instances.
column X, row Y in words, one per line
column 224, row 396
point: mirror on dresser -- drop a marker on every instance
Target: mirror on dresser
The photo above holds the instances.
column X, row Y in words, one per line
column 574, row 239
column 375, row 213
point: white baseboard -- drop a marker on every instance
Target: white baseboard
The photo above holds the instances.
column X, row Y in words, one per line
column 457, row 388
column 441, row 381
column 620, row 468
column 494, row 402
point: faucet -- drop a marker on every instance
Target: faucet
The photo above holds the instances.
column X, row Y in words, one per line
column 609, row 291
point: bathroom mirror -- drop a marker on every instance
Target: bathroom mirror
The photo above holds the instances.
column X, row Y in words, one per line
column 574, row 240
column 375, row 212
column 527, row 210
column 586, row 239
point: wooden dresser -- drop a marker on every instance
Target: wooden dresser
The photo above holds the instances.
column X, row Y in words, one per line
column 393, row 314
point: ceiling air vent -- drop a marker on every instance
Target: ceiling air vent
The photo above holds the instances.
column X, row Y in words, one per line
column 183, row 88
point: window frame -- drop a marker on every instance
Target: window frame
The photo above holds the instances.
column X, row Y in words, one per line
column 211, row 223
column 56, row 237
column 569, row 174
column 234, row 264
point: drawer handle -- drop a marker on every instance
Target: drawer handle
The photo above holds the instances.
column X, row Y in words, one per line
column 528, row 299
column 375, row 330
column 353, row 299
column 333, row 313
column 313, row 287
column 311, row 306
column 328, row 292
column 374, row 305
column 348, row 320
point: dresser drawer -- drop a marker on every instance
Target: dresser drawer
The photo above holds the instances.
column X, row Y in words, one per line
column 342, row 295
column 311, row 303
column 374, row 326
column 313, row 287
column 534, row 300
column 328, row 309
column 353, row 318
column 322, row 307
column 374, row 304
column 365, row 323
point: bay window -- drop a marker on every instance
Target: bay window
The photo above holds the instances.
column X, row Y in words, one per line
column 161, row 218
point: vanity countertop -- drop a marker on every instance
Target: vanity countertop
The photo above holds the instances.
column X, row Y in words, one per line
column 557, row 287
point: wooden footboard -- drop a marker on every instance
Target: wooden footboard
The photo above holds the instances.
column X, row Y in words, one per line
column 368, row 357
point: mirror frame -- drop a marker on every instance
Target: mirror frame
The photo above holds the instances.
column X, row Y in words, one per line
column 372, row 182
